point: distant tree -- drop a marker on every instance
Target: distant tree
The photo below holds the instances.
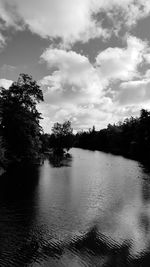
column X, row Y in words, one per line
column 19, row 119
column 62, row 137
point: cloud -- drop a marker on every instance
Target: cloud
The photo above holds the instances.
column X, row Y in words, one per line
column 73, row 75
column 81, row 116
column 2, row 41
column 147, row 58
column 68, row 20
column 81, row 91
column 74, row 90
column 147, row 74
column 5, row 83
column 121, row 63
column 126, row 13
column 71, row 20
column 134, row 92
column 73, row 80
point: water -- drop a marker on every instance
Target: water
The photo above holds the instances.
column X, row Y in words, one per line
column 92, row 209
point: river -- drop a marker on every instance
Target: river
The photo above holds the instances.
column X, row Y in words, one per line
column 92, row 209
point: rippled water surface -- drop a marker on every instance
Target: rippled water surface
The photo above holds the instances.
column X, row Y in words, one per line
column 92, row 209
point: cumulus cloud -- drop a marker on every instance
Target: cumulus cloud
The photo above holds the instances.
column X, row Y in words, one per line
column 71, row 20
column 134, row 92
column 5, row 83
column 81, row 91
column 122, row 63
column 73, row 73
column 74, row 89
column 74, row 80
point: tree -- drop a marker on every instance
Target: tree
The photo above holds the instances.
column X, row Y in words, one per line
column 62, row 137
column 19, row 119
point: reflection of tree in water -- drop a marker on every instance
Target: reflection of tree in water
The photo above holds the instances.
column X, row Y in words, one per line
column 146, row 190
column 63, row 160
column 145, row 182
column 18, row 246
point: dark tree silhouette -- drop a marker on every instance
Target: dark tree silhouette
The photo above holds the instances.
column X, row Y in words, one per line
column 62, row 137
column 19, row 120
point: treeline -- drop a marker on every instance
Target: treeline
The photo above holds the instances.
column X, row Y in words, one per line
column 130, row 138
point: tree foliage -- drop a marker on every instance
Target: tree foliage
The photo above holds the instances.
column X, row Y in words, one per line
column 19, row 119
column 62, row 136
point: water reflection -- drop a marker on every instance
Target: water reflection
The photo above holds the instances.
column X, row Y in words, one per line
column 58, row 161
column 17, row 215
column 89, row 210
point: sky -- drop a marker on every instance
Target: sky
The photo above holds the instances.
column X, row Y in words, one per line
column 90, row 57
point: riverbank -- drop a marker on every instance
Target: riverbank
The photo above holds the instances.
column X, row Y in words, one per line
column 143, row 160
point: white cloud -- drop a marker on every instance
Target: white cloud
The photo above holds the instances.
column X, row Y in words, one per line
column 81, row 91
column 134, row 93
column 81, row 116
column 5, row 83
column 121, row 63
column 147, row 74
column 71, row 20
column 125, row 13
column 73, row 76
column 74, row 90
column 73, row 80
